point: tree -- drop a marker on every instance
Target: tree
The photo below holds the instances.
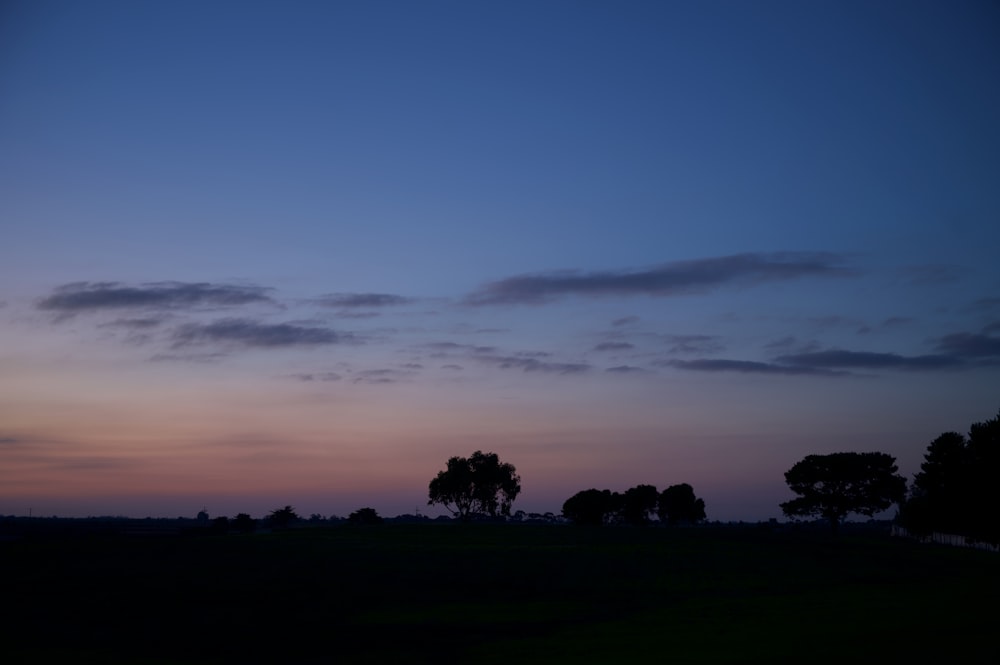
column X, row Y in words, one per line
column 954, row 490
column 282, row 518
column 479, row 484
column 244, row 523
column 940, row 491
column 836, row 485
column 678, row 504
column 592, row 507
column 364, row 516
column 638, row 504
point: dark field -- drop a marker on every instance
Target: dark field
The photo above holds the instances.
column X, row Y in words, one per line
column 496, row 594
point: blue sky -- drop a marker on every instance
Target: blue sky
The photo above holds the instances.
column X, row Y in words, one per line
column 261, row 253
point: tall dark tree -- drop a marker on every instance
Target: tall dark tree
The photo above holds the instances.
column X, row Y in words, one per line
column 592, row 507
column 480, row 484
column 954, row 490
column 678, row 504
column 834, row 486
column 941, row 490
column 638, row 504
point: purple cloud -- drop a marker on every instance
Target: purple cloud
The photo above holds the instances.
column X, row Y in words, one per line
column 348, row 300
column 747, row 367
column 970, row 345
column 245, row 332
column 837, row 358
column 95, row 296
column 614, row 346
column 669, row 279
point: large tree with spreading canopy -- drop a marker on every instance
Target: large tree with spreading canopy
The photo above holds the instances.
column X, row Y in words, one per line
column 476, row 485
column 834, row 486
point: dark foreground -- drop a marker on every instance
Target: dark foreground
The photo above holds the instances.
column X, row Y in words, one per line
column 495, row 594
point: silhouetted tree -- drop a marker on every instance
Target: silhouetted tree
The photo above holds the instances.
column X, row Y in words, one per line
column 638, row 504
column 836, row 485
column 220, row 525
column 244, row 523
column 941, row 490
column 592, row 507
column 479, row 484
column 678, row 504
column 954, row 490
column 364, row 516
column 282, row 518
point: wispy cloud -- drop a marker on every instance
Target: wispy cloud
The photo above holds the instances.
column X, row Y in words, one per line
column 377, row 376
column 891, row 323
column 527, row 361
column 531, row 364
column 188, row 357
column 348, row 300
column 467, row 329
column 625, row 321
column 970, row 345
column 80, row 297
column 955, row 351
column 245, row 332
column 841, row 359
column 347, row 314
column 455, row 347
column 687, row 344
column 791, row 343
column 897, row 321
column 614, row 346
column 934, row 273
column 137, row 330
column 136, row 324
column 92, row 463
column 625, row 369
column 833, row 321
column 986, row 304
column 782, row 342
column 317, row 376
column 747, row 367
column 669, row 279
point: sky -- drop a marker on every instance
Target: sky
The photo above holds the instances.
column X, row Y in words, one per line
column 265, row 253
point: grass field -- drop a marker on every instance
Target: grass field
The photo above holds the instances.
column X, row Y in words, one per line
column 496, row 594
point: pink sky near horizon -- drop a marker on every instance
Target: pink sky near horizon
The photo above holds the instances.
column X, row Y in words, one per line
column 229, row 446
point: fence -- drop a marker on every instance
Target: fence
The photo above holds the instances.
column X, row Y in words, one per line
column 950, row 539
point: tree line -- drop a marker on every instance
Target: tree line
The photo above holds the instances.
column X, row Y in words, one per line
column 482, row 485
column 953, row 492
column 636, row 505
column 281, row 519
